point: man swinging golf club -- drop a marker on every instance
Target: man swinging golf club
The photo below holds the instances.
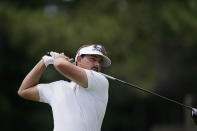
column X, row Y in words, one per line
column 78, row 105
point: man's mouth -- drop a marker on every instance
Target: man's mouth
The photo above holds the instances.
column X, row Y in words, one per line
column 95, row 69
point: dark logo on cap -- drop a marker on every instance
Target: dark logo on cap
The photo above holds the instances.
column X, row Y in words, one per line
column 98, row 48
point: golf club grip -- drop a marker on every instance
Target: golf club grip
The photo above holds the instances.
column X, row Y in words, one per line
column 48, row 54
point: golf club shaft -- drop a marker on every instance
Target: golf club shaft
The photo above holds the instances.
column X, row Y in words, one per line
column 142, row 89
column 145, row 90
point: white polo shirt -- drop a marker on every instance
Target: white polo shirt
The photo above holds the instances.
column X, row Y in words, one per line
column 76, row 108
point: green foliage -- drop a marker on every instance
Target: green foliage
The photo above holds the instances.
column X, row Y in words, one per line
column 152, row 44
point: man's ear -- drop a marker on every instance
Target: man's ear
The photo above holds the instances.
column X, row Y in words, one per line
column 79, row 58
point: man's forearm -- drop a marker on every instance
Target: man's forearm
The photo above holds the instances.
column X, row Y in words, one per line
column 70, row 71
column 33, row 76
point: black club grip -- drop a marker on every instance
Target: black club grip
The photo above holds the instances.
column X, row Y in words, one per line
column 48, row 54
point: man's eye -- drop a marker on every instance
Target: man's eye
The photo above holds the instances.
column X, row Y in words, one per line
column 93, row 59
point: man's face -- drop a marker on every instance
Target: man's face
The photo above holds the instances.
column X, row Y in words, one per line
column 90, row 62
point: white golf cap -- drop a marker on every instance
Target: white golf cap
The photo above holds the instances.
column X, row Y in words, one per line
column 94, row 50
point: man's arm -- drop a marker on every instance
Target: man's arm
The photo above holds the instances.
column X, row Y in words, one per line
column 65, row 67
column 28, row 88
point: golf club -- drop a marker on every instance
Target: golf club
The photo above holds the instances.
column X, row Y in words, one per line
column 193, row 110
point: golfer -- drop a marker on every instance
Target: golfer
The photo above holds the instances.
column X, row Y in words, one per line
column 78, row 105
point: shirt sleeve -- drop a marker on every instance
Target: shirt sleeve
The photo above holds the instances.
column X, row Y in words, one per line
column 46, row 91
column 97, row 83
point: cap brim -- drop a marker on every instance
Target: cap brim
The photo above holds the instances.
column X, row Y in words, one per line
column 106, row 61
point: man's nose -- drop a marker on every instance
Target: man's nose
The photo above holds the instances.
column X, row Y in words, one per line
column 97, row 63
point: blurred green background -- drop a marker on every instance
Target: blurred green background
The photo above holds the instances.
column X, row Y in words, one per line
column 151, row 44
